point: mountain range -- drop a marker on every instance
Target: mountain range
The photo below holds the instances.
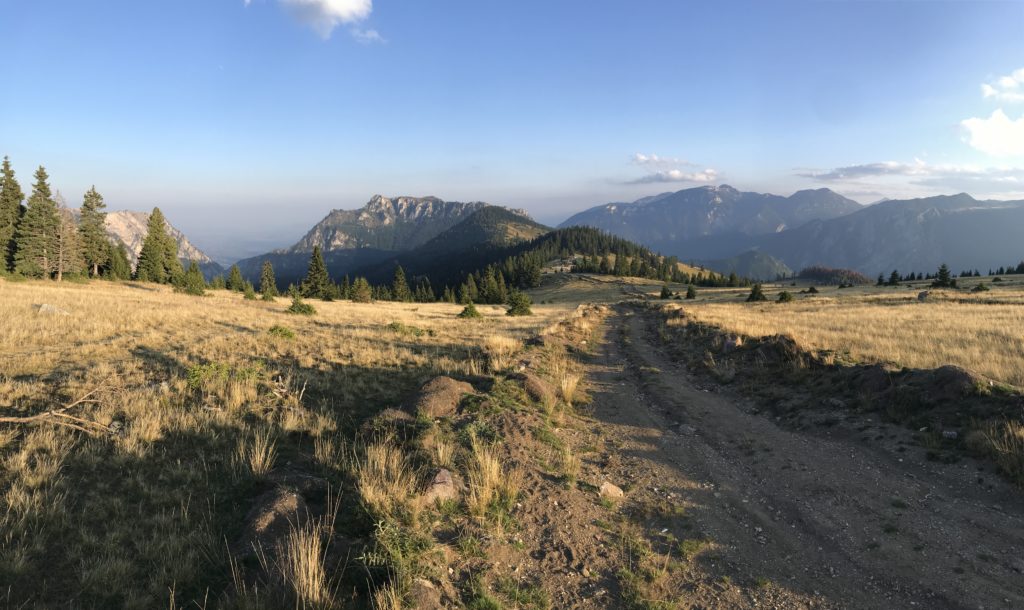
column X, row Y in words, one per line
column 755, row 235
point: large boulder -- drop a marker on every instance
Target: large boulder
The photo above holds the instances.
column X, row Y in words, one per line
column 440, row 397
column 538, row 389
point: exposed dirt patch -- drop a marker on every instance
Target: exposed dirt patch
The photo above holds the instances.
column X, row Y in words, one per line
column 440, row 397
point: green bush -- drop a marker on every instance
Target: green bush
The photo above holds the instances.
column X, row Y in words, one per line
column 282, row 332
column 691, row 292
column 519, row 304
column 980, row 288
column 756, row 294
column 300, row 307
column 785, row 297
column 470, row 311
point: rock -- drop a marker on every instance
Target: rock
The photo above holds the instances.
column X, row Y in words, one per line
column 923, row 296
column 608, row 490
column 269, row 520
column 440, row 397
column 836, row 403
column 732, row 343
column 538, row 389
column 49, row 310
column 424, row 595
column 950, row 434
column 442, row 487
column 778, row 349
column 117, row 428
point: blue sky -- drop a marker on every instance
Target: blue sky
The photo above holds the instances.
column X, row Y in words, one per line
column 247, row 121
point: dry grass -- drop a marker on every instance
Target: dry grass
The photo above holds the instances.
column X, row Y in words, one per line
column 384, row 478
column 980, row 334
column 501, row 351
column 1004, row 442
column 123, row 519
column 491, row 488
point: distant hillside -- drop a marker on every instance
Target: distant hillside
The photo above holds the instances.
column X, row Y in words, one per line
column 751, row 264
column 463, row 247
column 130, row 228
column 910, row 235
column 382, row 230
column 665, row 221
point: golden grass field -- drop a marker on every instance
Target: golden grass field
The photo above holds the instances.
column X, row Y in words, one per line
column 208, row 398
column 981, row 332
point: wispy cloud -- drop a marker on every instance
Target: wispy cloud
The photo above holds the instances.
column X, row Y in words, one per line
column 367, row 36
column 998, row 135
column 1009, row 89
column 326, row 15
column 974, row 179
column 670, row 169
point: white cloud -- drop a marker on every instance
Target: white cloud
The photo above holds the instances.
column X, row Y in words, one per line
column 657, row 161
column 882, row 176
column 1009, row 89
column 325, row 15
column 676, row 175
column 998, row 135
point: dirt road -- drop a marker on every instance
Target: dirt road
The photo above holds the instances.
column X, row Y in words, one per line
column 814, row 521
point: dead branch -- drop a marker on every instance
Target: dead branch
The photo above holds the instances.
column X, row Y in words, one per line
column 61, row 416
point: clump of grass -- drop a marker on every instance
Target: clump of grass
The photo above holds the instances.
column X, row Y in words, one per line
column 384, row 478
column 570, row 465
column 282, row 332
column 567, row 384
column 406, row 329
column 303, row 565
column 259, row 452
column 443, row 453
column 1004, row 443
column 492, row 492
column 501, row 351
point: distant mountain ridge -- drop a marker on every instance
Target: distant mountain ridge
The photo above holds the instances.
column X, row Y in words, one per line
column 711, row 210
column 383, row 229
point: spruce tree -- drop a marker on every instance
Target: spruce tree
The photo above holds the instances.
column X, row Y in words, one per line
column 36, row 235
column 361, row 291
column 691, row 292
column 317, row 282
column 194, row 282
column 399, row 286
column 151, row 266
column 235, row 280
column 10, row 212
column 519, row 304
column 172, row 264
column 118, row 266
column 268, row 284
column 92, row 227
column 666, row 292
column 218, row 283
column 894, row 278
column 944, row 278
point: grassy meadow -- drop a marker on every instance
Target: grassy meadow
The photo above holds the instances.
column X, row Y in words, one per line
column 179, row 408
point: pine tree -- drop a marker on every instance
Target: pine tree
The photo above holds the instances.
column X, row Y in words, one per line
column 10, row 212
column 361, row 291
column 68, row 256
column 881, row 280
column 399, row 286
column 268, row 284
column 172, row 264
column 92, row 227
column 218, row 283
column 36, row 235
column 235, row 281
column 151, row 266
column 317, row 282
column 194, row 283
column 944, row 278
column 469, row 311
column 894, row 278
column 249, row 291
column 666, row 292
column 691, row 292
column 118, row 265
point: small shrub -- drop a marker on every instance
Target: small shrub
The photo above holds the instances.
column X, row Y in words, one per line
column 980, row 288
column 785, row 297
column 405, row 329
column 665, row 292
column 519, row 304
column 250, row 292
column 756, row 294
column 470, row 311
column 281, row 331
column 691, row 292
column 812, row 290
column 300, row 307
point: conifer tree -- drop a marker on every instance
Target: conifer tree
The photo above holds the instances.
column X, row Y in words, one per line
column 691, row 292
column 317, row 282
column 399, row 286
column 10, row 212
column 361, row 291
column 92, row 227
column 249, row 291
column 194, row 282
column 172, row 264
column 118, row 265
column 519, row 304
column 36, row 235
column 666, row 292
column 944, row 278
column 894, row 278
column 151, row 266
column 268, row 284
column 68, row 256
column 235, row 281
column 218, row 283
column 469, row 311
